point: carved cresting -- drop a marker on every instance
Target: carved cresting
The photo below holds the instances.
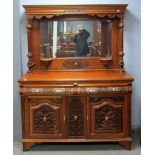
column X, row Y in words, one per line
column 76, row 127
column 44, row 119
column 107, row 118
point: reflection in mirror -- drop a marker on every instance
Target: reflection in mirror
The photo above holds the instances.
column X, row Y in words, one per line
column 75, row 38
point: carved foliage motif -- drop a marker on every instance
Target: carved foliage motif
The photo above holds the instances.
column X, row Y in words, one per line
column 75, row 64
column 66, row 91
column 76, row 127
column 44, row 119
column 107, row 118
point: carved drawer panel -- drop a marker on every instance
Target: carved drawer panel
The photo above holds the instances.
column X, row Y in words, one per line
column 46, row 117
column 105, row 115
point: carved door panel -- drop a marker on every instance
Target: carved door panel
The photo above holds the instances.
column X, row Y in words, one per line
column 105, row 114
column 46, row 117
column 76, row 113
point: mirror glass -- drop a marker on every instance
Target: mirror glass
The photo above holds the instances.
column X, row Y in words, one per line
column 75, row 38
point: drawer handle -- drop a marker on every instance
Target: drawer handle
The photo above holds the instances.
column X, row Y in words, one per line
column 75, row 84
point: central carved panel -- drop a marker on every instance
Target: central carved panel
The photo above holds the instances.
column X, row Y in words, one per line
column 44, row 119
column 76, row 127
column 107, row 118
column 75, row 64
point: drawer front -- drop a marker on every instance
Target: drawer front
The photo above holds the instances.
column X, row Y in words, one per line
column 105, row 114
column 46, row 117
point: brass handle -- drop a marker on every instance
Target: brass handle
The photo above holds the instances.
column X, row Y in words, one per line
column 106, row 118
column 75, row 84
column 75, row 117
column 44, row 119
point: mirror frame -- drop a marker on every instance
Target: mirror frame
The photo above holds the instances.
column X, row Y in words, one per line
column 36, row 13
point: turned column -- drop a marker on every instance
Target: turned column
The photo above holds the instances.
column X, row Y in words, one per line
column 29, row 55
column 121, row 53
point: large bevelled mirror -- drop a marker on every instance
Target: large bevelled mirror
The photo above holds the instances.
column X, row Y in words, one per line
column 91, row 38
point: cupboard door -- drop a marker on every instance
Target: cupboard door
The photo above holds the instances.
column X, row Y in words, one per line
column 105, row 116
column 46, row 117
column 76, row 113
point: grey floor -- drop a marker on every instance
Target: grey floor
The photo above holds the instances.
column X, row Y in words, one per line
column 80, row 148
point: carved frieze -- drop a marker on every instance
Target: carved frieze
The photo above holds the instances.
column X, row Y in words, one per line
column 92, row 13
column 74, row 90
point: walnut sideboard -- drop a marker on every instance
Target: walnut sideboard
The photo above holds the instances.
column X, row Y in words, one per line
column 70, row 98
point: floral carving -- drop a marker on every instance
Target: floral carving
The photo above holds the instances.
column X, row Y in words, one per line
column 76, row 127
column 44, row 119
column 107, row 118
column 75, row 64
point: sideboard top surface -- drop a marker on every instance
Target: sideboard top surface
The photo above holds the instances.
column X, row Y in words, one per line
column 60, row 76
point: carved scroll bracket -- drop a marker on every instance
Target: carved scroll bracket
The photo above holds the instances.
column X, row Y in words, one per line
column 46, row 62
column 29, row 64
column 106, row 62
column 121, row 61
